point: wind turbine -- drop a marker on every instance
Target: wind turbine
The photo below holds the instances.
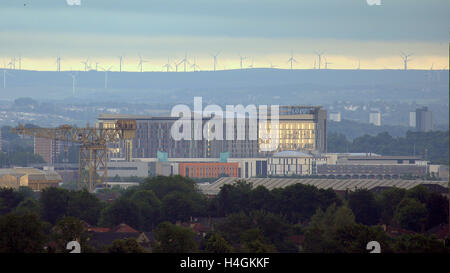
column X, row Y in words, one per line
column 141, row 62
column 58, row 63
column 272, row 66
column 215, row 59
column 5, row 73
column 194, row 65
column 20, row 62
column 241, row 59
column 120, row 63
column 96, row 66
column 74, row 76
column 167, row 65
column 86, row 64
column 251, row 66
column 359, row 64
column 326, row 62
column 319, row 54
column 291, row 59
column 184, row 61
column 405, row 59
column 106, row 75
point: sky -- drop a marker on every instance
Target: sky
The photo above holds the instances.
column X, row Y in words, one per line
column 350, row 33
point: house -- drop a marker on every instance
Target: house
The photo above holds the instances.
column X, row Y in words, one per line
column 440, row 231
column 101, row 237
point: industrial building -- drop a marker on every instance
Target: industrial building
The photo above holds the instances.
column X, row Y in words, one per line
column 294, row 163
column 208, row 170
column 29, row 177
column 369, row 166
column 334, row 184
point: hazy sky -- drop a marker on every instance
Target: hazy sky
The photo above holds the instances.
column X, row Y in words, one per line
column 348, row 31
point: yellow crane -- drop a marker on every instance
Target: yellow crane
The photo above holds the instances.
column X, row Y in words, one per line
column 93, row 155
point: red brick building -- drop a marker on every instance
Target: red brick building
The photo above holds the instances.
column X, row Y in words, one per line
column 208, row 170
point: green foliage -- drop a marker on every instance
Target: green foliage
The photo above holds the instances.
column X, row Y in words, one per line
column 217, row 244
column 150, row 207
column 174, row 239
column 389, row 200
column 419, row 243
column 419, row 193
column 411, row 214
column 84, row 206
column 69, row 229
column 177, row 206
column 233, row 198
column 129, row 245
column 10, row 198
column 437, row 207
column 21, row 234
column 28, row 206
column 54, row 202
column 121, row 211
column 336, row 231
column 365, row 207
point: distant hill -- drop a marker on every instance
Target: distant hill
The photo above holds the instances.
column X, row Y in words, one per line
column 261, row 86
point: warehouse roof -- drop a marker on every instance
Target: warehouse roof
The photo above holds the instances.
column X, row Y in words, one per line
column 335, row 184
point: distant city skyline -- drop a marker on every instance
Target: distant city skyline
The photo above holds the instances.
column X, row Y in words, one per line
column 351, row 33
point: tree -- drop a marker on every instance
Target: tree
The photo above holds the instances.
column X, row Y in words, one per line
column 437, row 207
column 420, row 193
column 233, row 198
column 411, row 214
column 121, row 211
column 174, row 239
column 69, row 229
column 54, row 202
column 149, row 207
column 217, row 244
column 10, row 198
column 129, row 245
column 85, row 206
column 363, row 204
column 389, row 200
column 28, row 206
column 21, row 234
column 419, row 243
column 177, row 206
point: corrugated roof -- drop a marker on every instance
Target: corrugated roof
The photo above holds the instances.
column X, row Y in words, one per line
column 335, row 184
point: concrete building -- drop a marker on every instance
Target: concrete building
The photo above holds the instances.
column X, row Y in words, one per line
column 288, row 163
column 335, row 116
column 375, row 118
column 29, row 177
column 424, row 120
column 209, row 169
column 248, row 167
column 46, row 148
column 369, row 166
column 300, row 128
column 126, row 169
column 412, row 119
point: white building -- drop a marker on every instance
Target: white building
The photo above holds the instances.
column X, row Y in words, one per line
column 289, row 163
column 335, row 116
column 375, row 118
